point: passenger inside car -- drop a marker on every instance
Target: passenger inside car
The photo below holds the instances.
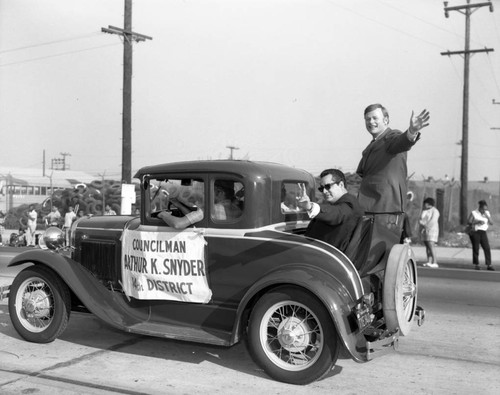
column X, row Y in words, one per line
column 289, row 198
column 226, row 205
column 334, row 220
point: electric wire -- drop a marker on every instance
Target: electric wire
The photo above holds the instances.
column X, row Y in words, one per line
column 389, row 27
column 59, row 54
column 51, row 42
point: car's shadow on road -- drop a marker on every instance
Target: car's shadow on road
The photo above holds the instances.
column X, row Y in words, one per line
column 87, row 331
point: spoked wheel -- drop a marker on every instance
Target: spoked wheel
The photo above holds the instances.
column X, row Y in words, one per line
column 400, row 289
column 292, row 336
column 39, row 304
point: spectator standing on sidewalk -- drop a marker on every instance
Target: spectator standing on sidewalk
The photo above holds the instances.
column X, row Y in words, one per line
column 108, row 210
column 2, row 228
column 480, row 219
column 69, row 217
column 31, row 228
column 53, row 218
column 429, row 231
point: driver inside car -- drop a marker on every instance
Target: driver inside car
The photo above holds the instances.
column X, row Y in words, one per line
column 191, row 208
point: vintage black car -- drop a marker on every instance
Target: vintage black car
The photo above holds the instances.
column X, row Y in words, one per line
column 245, row 270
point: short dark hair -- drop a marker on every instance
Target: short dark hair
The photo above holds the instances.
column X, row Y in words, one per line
column 226, row 186
column 373, row 107
column 482, row 203
column 337, row 175
column 430, row 201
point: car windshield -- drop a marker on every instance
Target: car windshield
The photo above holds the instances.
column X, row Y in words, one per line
column 161, row 191
column 156, row 189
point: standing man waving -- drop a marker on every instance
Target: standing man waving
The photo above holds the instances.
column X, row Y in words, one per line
column 383, row 165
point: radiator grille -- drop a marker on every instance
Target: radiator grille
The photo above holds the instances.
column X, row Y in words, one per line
column 102, row 259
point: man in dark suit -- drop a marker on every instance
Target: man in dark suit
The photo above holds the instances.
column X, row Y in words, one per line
column 383, row 164
column 334, row 220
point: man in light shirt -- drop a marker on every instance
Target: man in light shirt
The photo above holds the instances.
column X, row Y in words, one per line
column 69, row 217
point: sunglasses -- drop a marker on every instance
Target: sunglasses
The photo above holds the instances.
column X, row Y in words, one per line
column 327, row 186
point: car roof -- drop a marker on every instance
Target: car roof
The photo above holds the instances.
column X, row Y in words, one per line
column 242, row 167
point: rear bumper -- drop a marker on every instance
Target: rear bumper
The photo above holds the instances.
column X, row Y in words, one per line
column 388, row 341
column 384, row 345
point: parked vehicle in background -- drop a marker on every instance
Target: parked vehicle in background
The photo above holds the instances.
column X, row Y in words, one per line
column 245, row 270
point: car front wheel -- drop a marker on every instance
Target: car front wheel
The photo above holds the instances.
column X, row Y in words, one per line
column 292, row 337
column 39, row 304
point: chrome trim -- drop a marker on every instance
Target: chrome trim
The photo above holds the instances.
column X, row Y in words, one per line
column 100, row 228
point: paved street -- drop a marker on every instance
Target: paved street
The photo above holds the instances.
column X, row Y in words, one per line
column 93, row 358
column 456, row 351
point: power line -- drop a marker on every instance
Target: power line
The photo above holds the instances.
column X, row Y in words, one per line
column 493, row 73
column 421, row 20
column 50, row 43
column 56, row 55
column 389, row 27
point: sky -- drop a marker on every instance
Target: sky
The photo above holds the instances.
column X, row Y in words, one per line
column 282, row 80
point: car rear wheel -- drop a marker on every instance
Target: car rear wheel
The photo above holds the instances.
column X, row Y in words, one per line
column 39, row 304
column 292, row 336
column 400, row 289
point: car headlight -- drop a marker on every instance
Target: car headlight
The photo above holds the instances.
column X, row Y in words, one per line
column 53, row 239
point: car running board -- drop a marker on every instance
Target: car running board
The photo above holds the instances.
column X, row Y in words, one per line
column 174, row 332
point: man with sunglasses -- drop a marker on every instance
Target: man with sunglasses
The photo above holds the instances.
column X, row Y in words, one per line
column 334, row 220
column 383, row 163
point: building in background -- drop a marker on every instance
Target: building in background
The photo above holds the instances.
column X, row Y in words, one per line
column 20, row 186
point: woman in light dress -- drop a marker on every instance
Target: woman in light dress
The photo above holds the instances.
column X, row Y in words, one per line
column 429, row 231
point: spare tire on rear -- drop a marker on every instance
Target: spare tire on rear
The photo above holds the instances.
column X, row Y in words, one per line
column 400, row 289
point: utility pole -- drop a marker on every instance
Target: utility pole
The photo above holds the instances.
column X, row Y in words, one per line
column 43, row 164
column 467, row 10
column 128, row 36
column 64, row 155
column 50, row 177
column 232, row 148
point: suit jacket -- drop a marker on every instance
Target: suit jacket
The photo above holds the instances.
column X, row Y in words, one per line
column 335, row 222
column 384, row 173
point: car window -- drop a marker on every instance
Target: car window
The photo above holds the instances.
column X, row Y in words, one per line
column 290, row 192
column 228, row 199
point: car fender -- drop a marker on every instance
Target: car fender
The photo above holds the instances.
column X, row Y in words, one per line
column 109, row 306
column 331, row 292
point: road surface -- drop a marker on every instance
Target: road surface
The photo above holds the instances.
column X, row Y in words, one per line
column 456, row 351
